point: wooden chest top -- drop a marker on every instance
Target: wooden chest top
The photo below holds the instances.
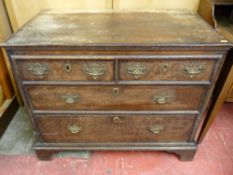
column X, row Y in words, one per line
column 72, row 28
column 109, row 81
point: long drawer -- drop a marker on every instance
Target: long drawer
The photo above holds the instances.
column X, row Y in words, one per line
column 151, row 128
column 115, row 97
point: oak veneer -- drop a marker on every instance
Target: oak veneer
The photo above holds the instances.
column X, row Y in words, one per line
column 116, row 81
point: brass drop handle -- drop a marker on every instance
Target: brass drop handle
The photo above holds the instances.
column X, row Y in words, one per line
column 161, row 100
column 116, row 120
column 71, row 98
column 164, row 97
column 156, row 129
column 74, row 129
column 38, row 69
column 194, row 68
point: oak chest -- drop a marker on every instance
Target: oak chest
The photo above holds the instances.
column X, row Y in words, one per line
column 116, row 81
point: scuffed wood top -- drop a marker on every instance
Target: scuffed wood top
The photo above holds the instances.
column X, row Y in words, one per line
column 72, row 28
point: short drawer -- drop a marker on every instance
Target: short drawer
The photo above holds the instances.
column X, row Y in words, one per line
column 115, row 97
column 151, row 128
column 165, row 70
column 65, row 70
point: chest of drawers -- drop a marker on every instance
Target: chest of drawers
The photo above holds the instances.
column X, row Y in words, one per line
column 116, row 81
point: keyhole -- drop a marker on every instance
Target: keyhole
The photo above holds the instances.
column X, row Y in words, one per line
column 67, row 67
column 115, row 91
column 165, row 67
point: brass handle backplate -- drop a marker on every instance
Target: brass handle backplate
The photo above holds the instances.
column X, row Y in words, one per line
column 156, row 129
column 38, row 69
column 74, row 129
column 71, row 98
column 194, row 68
column 94, row 69
column 136, row 69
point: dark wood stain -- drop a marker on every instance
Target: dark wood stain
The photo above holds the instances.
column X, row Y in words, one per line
column 57, row 70
column 117, row 29
column 166, row 70
column 116, row 40
column 104, row 129
column 128, row 98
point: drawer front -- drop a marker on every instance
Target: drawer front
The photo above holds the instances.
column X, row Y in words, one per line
column 169, row 128
column 115, row 98
column 165, row 70
column 68, row 70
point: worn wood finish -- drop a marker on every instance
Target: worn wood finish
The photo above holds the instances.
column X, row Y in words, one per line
column 132, row 104
column 167, row 52
column 106, row 29
column 115, row 128
column 186, row 153
column 126, row 98
column 166, row 70
column 66, row 70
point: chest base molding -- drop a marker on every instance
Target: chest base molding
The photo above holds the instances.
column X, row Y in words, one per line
column 185, row 151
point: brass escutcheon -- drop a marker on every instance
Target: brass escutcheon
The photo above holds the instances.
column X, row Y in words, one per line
column 165, row 67
column 38, row 69
column 67, row 67
column 115, row 91
column 136, row 69
column 94, row 69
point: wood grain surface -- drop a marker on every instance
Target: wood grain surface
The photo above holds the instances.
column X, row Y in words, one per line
column 128, row 98
column 57, row 70
column 166, row 70
column 103, row 129
column 91, row 29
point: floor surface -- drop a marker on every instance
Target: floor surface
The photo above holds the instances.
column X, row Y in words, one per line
column 214, row 157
